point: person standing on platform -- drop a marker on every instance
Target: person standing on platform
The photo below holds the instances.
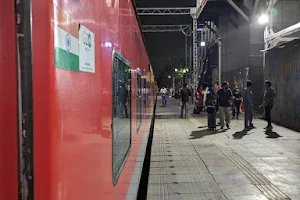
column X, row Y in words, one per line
column 211, row 109
column 163, row 93
column 225, row 102
column 237, row 95
column 185, row 97
column 217, row 88
column 248, row 106
column 122, row 97
column 268, row 102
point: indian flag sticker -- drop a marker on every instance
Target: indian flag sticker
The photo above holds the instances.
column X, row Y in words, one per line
column 66, row 50
column 68, row 42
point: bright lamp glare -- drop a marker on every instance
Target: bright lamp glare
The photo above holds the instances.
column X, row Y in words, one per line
column 107, row 44
column 169, row 76
column 176, row 70
column 263, row 19
column 202, row 44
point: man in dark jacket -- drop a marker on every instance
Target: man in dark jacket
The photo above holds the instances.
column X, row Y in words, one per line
column 225, row 102
column 268, row 102
column 248, row 105
column 185, row 96
column 211, row 108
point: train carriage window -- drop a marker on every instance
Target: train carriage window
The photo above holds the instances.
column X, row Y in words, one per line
column 139, row 102
column 148, row 93
column 145, row 96
column 121, row 113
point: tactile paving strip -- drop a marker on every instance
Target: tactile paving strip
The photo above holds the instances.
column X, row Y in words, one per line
column 256, row 178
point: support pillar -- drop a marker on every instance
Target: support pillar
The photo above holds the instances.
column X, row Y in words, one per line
column 174, row 87
column 186, row 50
column 195, row 57
column 220, row 60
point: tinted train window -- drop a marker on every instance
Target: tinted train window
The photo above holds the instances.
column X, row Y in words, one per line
column 121, row 113
column 139, row 102
column 148, row 93
column 145, row 95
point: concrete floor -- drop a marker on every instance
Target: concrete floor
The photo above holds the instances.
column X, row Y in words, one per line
column 190, row 162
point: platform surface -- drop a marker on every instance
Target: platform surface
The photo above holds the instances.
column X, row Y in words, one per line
column 189, row 162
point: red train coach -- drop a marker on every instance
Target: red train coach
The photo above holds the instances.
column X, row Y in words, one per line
column 76, row 100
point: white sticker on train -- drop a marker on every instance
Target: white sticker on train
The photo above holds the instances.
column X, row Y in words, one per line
column 86, row 50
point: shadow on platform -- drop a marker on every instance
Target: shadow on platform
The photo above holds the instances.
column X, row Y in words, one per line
column 240, row 134
column 167, row 117
column 202, row 133
column 271, row 134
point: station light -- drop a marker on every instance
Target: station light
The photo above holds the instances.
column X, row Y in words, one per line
column 263, row 19
column 169, row 76
column 176, row 70
column 107, row 44
column 202, row 44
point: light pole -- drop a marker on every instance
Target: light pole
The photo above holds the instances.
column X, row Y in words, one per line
column 220, row 60
column 174, row 84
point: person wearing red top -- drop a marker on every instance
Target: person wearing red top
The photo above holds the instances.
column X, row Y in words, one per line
column 217, row 87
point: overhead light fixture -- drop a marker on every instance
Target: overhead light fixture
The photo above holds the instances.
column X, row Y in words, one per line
column 202, row 44
column 176, row 70
column 263, row 19
column 169, row 76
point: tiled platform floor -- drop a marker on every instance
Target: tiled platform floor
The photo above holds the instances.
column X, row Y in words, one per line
column 190, row 162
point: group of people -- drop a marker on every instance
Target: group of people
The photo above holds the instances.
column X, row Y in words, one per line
column 224, row 99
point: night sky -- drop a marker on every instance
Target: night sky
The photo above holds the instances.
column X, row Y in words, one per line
column 165, row 46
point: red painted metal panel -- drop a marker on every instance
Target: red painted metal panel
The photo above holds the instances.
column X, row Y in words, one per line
column 8, row 104
column 72, row 110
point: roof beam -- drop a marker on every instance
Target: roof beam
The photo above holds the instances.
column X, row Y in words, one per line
column 285, row 32
column 166, row 28
column 194, row 11
column 164, row 11
column 239, row 10
column 199, row 7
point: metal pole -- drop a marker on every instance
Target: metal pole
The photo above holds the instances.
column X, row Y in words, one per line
column 190, row 55
column 186, row 50
column 220, row 60
column 173, row 85
column 195, row 56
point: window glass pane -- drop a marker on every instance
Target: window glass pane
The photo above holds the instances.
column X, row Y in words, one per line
column 145, row 95
column 148, row 93
column 121, row 115
column 139, row 102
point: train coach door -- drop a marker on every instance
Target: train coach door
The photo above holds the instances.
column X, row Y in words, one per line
column 25, row 99
column 145, row 96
